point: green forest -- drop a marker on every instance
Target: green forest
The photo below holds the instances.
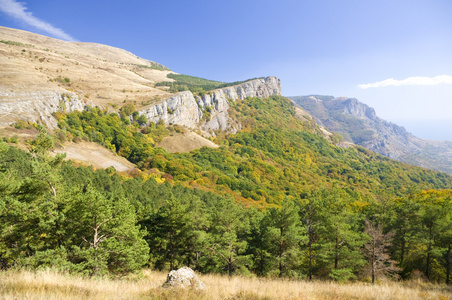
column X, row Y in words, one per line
column 275, row 199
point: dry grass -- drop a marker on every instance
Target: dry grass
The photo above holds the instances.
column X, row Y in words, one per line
column 51, row 285
column 185, row 142
column 90, row 153
column 100, row 74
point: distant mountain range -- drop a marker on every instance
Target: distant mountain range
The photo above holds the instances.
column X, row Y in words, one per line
column 359, row 124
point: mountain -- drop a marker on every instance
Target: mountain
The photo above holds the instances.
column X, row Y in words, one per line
column 41, row 76
column 201, row 152
column 359, row 124
column 44, row 80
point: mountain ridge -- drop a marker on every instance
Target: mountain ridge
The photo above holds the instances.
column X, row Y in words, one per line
column 358, row 123
column 43, row 75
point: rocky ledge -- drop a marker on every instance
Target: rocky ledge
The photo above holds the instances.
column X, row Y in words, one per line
column 37, row 106
column 210, row 112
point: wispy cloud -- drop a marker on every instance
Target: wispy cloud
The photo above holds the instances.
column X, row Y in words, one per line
column 442, row 79
column 18, row 10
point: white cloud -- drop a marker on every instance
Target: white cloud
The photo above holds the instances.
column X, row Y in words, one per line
column 441, row 79
column 18, row 10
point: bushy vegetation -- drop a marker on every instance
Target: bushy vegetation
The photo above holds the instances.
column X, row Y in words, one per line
column 274, row 156
column 154, row 66
column 194, row 84
column 12, row 43
column 274, row 200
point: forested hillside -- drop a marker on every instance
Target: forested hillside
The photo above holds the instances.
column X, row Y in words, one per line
column 359, row 124
column 275, row 199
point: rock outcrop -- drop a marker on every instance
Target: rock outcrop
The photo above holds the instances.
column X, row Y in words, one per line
column 35, row 71
column 182, row 278
column 180, row 109
column 37, row 106
column 188, row 110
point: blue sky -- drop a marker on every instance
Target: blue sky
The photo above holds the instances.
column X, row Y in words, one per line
column 392, row 55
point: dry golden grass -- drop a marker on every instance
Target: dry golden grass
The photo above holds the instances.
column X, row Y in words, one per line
column 185, row 142
column 100, row 74
column 52, row 285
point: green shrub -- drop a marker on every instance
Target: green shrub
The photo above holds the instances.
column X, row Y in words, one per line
column 342, row 275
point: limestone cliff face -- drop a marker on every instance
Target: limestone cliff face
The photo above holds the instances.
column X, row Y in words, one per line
column 37, row 106
column 183, row 108
column 188, row 110
column 180, row 109
column 357, row 109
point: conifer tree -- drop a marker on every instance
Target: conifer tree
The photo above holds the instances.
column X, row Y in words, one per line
column 103, row 234
column 171, row 230
column 283, row 234
column 226, row 242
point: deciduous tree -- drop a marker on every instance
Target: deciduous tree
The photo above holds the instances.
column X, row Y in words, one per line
column 377, row 253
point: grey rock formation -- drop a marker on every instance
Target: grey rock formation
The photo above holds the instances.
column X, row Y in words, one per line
column 188, row 110
column 183, row 108
column 182, row 278
column 180, row 109
column 37, row 106
column 359, row 124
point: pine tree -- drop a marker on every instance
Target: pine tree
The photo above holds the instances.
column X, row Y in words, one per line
column 103, row 234
column 341, row 238
column 258, row 242
column 226, row 237
column 171, row 232
column 284, row 234
column 311, row 215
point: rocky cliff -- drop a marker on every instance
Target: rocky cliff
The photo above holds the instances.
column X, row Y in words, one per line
column 37, row 106
column 359, row 124
column 210, row 111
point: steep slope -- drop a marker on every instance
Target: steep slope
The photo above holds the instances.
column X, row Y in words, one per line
column 359, row 124
column 210, row 111
column 40, row 75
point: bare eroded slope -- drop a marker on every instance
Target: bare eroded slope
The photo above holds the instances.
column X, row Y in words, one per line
column 34, row 67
